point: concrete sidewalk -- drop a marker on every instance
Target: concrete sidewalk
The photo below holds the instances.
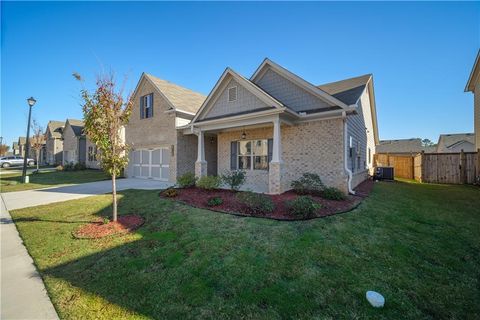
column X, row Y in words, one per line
column 31, row 198
column 22, row 295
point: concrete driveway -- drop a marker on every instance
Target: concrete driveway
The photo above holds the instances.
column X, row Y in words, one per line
column 31, row 198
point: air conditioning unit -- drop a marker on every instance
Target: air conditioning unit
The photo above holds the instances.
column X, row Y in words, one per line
column 384, row 173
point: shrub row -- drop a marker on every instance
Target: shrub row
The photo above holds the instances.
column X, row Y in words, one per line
column 71, row 167
column 234, row 179
column 311, row 183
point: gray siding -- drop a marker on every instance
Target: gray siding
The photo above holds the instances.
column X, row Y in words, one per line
column 245, row 102
column 289, row 93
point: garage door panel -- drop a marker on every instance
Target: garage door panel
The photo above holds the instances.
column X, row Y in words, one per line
column 136, row 157
column 145, row 157
column 152, row 164
column 156, row 156
column 136, row 171
column 156, row 173
column 165, row 172
column 165, row 157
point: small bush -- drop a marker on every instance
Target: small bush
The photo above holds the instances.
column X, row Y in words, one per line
column 209, row 182
column 69, row 166
column 187, row 180
column 170, row 193
column 59, row 168
column 79, row 166
column 106, row 220
column 234, row 179
column 308, row 183
column 332, row 193
column 256, row 203
column 215, row 201
column 303, row 206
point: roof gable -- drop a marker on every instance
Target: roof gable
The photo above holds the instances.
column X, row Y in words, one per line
column 474, row 74
column 447, row 141
column 76, row 125
column 179, row 98
column 54, row 128
column 308, row 87
column 348, row 90
column 249, row 91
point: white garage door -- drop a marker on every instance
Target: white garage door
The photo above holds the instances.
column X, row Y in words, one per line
column 151, row 164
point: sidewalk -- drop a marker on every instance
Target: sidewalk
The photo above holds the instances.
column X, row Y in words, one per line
column 23, row 294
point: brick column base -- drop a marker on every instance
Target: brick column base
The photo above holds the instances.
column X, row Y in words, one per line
column 200, row 169
column 275, row 178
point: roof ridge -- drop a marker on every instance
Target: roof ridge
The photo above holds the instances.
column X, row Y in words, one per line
column 172, row 83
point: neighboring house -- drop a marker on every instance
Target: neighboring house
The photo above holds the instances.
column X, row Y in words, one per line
column 15, row 149
column 277, row 126
column 456, row 142
column 54, row 142
column 32, row 152
column 401, row 147
column 74, row 142
column 157, row 149
column 473, row 85
column 21, row 145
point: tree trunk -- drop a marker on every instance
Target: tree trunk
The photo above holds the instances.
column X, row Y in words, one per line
column 114, row 194
column 38, row 157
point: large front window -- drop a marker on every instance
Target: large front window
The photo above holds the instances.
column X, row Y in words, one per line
column 253, row 155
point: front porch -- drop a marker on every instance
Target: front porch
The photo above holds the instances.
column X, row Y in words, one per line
column 255, row 148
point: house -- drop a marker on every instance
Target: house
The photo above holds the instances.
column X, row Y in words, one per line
column 157, row 149
column 473, row 85
column 456, row 142
column 54, row 142
column 21, row 145
column 277, row 126
column 15, row 149
column 32, row 151
column 74, row 142
column 401, row 146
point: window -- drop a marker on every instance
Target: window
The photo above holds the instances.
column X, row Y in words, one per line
column 253, row 155
column 146, row 106
column 232, row 94
column 92, row 153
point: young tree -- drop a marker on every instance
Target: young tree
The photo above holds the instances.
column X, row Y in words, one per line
column 427, row 143
column 105, row 112
column 37, row 141
column 3, row 149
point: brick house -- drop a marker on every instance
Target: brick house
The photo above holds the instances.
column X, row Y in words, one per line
column 473, row 85
column 74, row 142
column 54, row 142
column 277, row 126
column 157, row 149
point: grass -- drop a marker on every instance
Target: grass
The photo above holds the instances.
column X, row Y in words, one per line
column 416, row 244
column 12, row 182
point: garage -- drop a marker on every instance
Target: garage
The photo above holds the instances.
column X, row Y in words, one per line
column 151, row 164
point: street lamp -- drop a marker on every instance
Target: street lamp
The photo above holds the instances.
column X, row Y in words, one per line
column 31, row 101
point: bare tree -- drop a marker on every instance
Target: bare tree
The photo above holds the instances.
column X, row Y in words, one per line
column 105, row 112
column 37, row 141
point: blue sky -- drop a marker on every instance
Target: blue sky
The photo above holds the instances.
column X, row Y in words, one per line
column 419, row 53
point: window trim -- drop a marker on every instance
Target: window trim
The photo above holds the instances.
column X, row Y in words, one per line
column 252, row 155
column 236, row 93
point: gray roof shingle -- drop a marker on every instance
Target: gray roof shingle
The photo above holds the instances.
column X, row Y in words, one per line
column 77, row 126
column 54, row 127
column 182, row 98
column 413, row 145
column 446, row 141
column 349, row 90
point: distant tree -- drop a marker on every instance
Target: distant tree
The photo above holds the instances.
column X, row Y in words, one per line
column 105, row 112
column 427, row 143
column 37, row 141
column 3, row 149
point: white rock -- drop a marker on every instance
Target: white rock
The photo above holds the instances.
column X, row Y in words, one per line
column 375, row 299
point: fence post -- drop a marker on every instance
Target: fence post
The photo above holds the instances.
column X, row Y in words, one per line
column 463, row 165
column 422, row 167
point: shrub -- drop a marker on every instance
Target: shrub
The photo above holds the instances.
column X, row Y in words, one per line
column 332, row 193
column 208, row 182
column 215, row 201
column 79, row 166
column 303, row 206
column 256, row 203
column 170, row 193
column 234, row 179
column 187, row 180
column 68, row 167
column 308, row 183
column 105, row 220
column 59, row 168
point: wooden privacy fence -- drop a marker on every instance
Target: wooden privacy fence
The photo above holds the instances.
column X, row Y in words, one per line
column 455, row 168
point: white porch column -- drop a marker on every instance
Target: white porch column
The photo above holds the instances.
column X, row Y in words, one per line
column 276, row 165
column 200, row 164
column 277, row 142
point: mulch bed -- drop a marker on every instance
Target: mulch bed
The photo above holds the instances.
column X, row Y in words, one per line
column 98, row 229
column 197, row 197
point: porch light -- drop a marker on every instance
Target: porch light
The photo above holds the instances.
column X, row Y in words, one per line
column 244, row 135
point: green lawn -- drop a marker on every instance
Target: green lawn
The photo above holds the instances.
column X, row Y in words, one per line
column 12, row 182
column 416, row 244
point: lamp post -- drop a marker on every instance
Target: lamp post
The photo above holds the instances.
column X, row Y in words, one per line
column 31, row 101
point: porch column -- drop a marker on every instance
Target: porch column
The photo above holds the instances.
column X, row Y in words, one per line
column 201, row 164
column 276, row 165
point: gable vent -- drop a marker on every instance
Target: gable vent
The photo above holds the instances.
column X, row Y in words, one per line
column 232, row 94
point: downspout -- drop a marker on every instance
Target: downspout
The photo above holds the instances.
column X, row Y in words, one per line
column 345, row 162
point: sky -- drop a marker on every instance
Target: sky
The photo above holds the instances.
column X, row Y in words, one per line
column 420, row 54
